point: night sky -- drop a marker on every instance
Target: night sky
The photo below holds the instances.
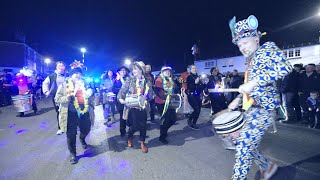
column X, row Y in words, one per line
column 155, row 31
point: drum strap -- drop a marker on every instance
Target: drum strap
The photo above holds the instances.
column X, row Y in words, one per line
column 166, row 105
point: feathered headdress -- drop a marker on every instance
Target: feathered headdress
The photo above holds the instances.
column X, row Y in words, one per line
column 77, row 64
column 76, row 67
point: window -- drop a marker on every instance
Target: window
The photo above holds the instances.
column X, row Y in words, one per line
column 224, row 63
column 291, row 53
column 209, row 64
column 230, row 62
column 297, row 53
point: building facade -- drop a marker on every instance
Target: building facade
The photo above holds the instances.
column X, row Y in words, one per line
column 299, row 55
column 14, row 56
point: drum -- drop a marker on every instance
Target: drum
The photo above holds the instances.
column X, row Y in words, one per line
column 134, row 101
column 175, row 101
column 229, row 122
column 228, row 127
column 111, row 96
column 22, row 103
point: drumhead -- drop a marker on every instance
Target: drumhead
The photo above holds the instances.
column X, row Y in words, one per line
column 226, row 117
column 111, row 94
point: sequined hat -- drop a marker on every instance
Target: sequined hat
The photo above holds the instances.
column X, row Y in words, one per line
column 244, row 28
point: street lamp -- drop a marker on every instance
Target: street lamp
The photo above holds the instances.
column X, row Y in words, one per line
column 83, row 50
column 47, row 61
column 127, row 61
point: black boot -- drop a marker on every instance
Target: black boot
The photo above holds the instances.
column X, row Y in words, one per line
column 83, row 143
column 163, row 140
column 73, row 159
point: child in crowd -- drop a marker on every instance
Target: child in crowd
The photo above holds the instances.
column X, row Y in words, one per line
column 313, row 103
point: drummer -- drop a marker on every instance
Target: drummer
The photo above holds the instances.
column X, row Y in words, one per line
column 25, row 87
column 122, row 76
column 260, row 96
column 106, row 86
column 137, row 117
column 164, row 88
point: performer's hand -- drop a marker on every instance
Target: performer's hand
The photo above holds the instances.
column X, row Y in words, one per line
column 300, row 93
column 310, row 109
column 197, row 80
column 234, row 104
column 122, row 101
column 317, row 110
column 247, row 88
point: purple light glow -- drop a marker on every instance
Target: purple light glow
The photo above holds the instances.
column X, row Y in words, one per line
column 43, row 125
column 21, row 131
column 11, row 126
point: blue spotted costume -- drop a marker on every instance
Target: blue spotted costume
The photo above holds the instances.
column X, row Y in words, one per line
column 266, row 66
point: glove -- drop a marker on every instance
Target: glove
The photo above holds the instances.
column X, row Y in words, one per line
column 247, row 88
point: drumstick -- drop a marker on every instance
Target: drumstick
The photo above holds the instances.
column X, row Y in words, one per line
column 223, row 90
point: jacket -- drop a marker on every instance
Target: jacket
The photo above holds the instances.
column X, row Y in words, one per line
column 266, row 67
column 62, row 99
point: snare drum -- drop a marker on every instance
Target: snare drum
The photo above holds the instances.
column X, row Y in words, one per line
column 22, row 103
column 175, row 101
column 111, row 96
column 228, row 126
column 134, row 101
column 229, row 122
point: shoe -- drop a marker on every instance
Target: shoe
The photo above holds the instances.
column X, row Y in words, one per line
column 144, row 148
column 83, row 144
column 130, row 143
column 269, row 172
column 73, row 159
column 59, row 132
column 163, row 140
column 194, row 127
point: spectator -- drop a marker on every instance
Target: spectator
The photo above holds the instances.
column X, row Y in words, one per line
column 318, row 68
column 307, row 82
column 218, row 101
column 290, row 98
column 313, row 103
column 235, row 82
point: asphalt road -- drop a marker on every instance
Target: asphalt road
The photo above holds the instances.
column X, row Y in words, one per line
column 30, row 149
